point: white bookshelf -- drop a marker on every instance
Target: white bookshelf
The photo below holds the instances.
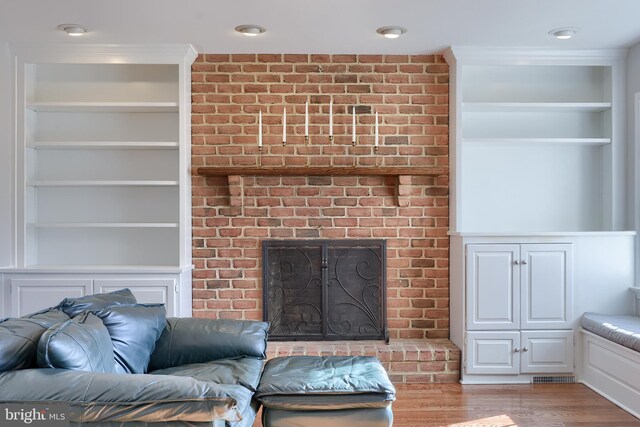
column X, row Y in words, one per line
column 103, row 155
column 536, row 141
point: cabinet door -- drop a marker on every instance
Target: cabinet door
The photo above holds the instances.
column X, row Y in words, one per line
column 30, row 295
column 493, row 353
column 546, row 352
column 147, row 291
column 546, row 280
column 493, row 287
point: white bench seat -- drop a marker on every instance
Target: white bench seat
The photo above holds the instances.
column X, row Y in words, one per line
column 611, row 358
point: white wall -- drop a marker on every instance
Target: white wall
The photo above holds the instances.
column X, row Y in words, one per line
column 6, row 157
column 633, row 166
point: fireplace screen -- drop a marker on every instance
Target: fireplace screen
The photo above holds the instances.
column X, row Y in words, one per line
column 325, row 289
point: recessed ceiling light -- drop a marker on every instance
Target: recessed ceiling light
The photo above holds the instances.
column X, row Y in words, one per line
column 391, row 32
column 250, row 30
column 73, row 30
column 563, row 33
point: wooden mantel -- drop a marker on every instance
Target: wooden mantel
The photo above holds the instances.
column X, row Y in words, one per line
column 403, row 173
column 321, row 171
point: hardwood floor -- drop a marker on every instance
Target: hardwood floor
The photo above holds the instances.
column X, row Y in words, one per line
column 539, row 405
column 532, row 405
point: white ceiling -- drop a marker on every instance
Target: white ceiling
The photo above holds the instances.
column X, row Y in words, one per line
column 326, row 26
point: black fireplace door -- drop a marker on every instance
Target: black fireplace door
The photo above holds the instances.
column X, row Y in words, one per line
column 325, row 289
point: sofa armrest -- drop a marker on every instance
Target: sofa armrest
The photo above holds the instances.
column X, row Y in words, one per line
column 99, row 397
column 192, row 340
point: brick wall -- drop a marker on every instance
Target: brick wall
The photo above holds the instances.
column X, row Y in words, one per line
column 410, row 93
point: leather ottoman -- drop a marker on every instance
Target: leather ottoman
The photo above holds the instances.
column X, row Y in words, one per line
column 340, row 391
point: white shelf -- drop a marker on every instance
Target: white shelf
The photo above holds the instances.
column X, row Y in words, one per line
column 66, row 145
column 537, row 141
column 107, row 107
column 520, row 233
column 102, row 183
column 131, row 269
column 103, row 225
column 535, row 107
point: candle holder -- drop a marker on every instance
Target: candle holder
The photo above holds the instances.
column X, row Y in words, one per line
column 306, row 139
column 260, row 155
column 353, row 143
column 284, row 143
column 331, row 139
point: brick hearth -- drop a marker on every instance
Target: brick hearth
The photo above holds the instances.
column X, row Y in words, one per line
column 407, row 361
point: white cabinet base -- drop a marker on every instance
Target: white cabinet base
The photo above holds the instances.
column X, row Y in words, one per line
column 31, row 295
column 28, row 292
column 492, row 353
column 549, row 352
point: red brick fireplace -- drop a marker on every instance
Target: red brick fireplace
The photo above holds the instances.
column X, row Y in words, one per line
column 232, row 216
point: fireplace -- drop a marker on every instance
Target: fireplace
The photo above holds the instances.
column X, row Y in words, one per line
column 325, row 289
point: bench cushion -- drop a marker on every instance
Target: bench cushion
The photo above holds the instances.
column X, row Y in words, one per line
column 624, row 330
column 325, row 383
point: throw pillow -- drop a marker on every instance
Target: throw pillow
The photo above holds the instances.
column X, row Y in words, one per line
column 134, row 330
column 82, row 344
column 19, row 338
column 74, row 306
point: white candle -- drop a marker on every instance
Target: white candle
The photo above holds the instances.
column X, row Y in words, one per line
column 331, row 118
column 284, row 125
column 376, row 140
column 260, row 129
column 306, row 119
column 353, row 125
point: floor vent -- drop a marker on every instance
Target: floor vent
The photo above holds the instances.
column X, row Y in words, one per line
column 554, row 380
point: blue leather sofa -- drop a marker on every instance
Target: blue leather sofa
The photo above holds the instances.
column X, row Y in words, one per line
column 147, row 371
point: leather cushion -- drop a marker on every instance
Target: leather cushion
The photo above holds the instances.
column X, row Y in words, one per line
column 134, row 330
column 191, row 340
column 312, row 382
column 19, row 338
column 95, row 397
column 82, row 343
column 244, row 371
column 74, row 306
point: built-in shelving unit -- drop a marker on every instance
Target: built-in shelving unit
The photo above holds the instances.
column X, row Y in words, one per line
column 536, row 141
column 103, row 150
column 537, row 206
column 64, row 100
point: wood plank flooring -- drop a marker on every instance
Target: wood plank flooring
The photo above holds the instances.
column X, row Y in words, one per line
column 535, row 405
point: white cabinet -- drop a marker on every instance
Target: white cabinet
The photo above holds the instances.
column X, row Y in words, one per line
column 30, row 292
column 31, row 295
column 546, row 352
column 159, row 291
column 519, row 309
column 493, row 287
column 492, row 353
column 519, row 286
column 103, row 154
column 508, row 352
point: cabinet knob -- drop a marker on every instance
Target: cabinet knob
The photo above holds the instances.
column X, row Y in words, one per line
column 516, row 262
column 524, row 261
column 517, row 350
column 525, row 348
